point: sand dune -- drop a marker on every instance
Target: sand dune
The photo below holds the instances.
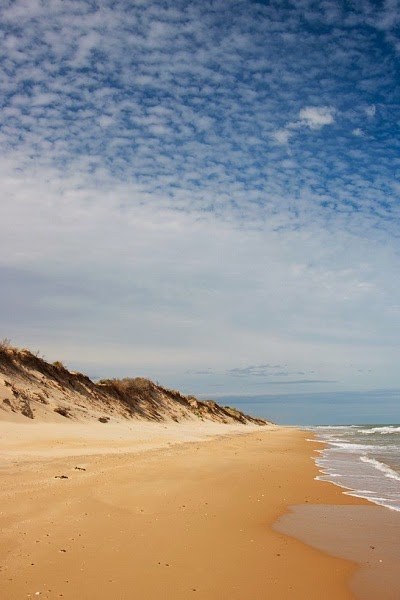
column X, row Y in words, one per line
column 33, row 389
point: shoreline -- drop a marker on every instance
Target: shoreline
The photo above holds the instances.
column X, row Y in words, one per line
column 367, row 533
column 178, row 518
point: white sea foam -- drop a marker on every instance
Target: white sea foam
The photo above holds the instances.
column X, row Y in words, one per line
column 388, row 472
column 382, row 430
column 375, row 499
column 363, row 460
column 333, row 427
column 352, row 447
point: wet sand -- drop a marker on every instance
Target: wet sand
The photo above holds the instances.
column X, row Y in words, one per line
column 368, row 535
column 136, row 518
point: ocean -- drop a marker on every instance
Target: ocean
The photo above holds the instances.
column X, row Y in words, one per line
column 365, row 459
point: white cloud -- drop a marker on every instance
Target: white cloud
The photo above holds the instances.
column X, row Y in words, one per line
column 370, row 110
column 316, row 117
column 178, row 290
column 282, row 136
column 358, row 132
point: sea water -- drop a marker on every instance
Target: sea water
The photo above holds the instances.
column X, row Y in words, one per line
column 365, row 459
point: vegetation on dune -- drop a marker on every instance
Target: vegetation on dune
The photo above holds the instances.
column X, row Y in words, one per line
column 34, row 384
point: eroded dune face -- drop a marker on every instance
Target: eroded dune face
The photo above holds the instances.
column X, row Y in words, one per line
column 32, row 388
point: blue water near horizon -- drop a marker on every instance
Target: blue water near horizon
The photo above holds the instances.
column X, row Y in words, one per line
column 318, row 408
column 364, row 459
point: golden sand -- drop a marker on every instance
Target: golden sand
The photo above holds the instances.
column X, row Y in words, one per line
column 142, row 521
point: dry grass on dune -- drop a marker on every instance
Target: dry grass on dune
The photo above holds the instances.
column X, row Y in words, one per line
column 32, row 388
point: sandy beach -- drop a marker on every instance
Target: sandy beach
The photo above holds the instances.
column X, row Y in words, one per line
column 162, row 511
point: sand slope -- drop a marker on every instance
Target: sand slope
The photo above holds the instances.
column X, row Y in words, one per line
column 34, row 389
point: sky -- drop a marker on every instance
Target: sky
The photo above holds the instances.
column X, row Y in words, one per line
column 206, row 193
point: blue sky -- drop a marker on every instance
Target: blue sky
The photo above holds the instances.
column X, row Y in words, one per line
column 205, row 192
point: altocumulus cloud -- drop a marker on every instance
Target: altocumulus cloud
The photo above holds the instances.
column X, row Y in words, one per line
column 199, row 187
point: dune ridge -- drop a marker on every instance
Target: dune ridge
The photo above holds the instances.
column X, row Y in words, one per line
column 32, row 388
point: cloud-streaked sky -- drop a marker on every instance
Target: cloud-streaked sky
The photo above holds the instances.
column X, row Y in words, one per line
column 205, row 192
